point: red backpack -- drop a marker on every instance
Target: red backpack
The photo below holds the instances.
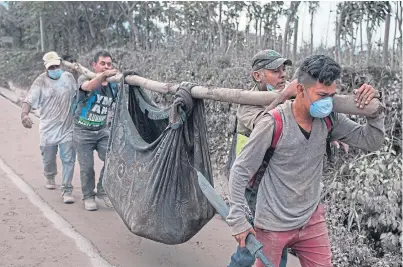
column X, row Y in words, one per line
column 278, row 128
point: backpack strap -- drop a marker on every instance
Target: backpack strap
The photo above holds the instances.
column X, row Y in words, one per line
column 329, row 125
column 278, row 128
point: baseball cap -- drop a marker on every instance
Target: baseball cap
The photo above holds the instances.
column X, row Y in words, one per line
column 269, row 59
column 51, row 59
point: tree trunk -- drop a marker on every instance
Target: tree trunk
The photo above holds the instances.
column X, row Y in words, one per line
column 285, row 37
column 361, row 46
column 311, row 47
column 337, row 42
column 352, row 46
column 386, row 40
column 342, row 103
column 90, row 24
column 42, row 34
column 148, row 41
column 274, row 40
column 294, row 48
column 132, row 36
column 169, row 27
column 369, row 44
column 260, row 32
column 220, row 28
column 237, row 32
column 291, row 13
column 394, row 41
column 400, row 20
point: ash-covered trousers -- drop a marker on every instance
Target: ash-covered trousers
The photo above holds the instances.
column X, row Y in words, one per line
column 68, row 158
column 243, row 258
column 85, row 142
column 311, row 242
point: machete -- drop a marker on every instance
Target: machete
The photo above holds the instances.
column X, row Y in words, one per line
column 254, row 246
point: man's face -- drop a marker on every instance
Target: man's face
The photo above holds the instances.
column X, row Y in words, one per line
column 54, row 67
column 275, row 78
column 315, row 92
column 103, row 64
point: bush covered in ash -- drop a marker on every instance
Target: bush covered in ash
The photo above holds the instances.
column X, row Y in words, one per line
column 362, row 190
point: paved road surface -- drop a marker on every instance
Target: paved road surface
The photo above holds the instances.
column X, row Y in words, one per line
column 37, row 229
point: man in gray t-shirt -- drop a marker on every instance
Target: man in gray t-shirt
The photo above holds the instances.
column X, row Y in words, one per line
column 94, row 100
column 288, row 210
column 52, row 93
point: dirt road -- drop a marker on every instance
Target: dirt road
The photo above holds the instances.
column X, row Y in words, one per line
column 39, row 230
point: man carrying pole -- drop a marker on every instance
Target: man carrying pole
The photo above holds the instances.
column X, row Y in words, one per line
column 52, row 93
column 288, row 212
column 93, row 101
column 268, row 73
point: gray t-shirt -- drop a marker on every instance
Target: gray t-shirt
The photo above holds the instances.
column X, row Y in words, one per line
column 93, row 107
column 291, row 185
column 54, row 100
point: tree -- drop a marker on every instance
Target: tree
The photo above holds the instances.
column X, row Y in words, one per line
column 272, row 11
column 386, row 38
column 352, row 16
column 294, row 49
column 127, row 9
column 291, row 12
column 375, row 13
column 398, row 25
column 313, row 7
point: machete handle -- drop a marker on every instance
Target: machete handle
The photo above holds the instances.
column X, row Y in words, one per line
column 255, row 248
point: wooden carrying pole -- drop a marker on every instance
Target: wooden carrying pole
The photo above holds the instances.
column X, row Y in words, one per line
column 342, row 103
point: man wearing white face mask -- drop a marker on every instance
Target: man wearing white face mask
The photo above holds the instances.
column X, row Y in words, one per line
column 52, row 93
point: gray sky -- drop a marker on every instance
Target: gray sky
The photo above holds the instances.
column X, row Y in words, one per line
column 324, row 24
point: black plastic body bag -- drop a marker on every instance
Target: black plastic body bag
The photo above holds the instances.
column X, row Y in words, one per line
column 148, row 173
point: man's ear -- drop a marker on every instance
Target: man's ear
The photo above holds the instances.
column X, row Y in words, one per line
column 94, row 64
column 300, row 90
column 257, row 76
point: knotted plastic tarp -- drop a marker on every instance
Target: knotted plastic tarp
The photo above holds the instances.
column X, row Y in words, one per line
column 150, row 172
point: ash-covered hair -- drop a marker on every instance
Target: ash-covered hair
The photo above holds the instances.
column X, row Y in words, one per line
column 318, row 68
column 101, row 53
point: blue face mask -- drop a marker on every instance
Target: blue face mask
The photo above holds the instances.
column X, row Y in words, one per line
column 320, row 108
column 55, row 74
column 269, row 87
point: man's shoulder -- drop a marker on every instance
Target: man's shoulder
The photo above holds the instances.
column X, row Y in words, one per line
column 68, row 76
column 83, row 78
column 266, row 119
column 40, row 80
column 247, row 109
column 254, row 88
column 41, row 77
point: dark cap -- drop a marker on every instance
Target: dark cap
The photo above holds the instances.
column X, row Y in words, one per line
column 269, row 59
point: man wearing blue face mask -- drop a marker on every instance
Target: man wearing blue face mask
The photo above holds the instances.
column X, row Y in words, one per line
column 288, row 210
column 268, row 73
column 52, row 93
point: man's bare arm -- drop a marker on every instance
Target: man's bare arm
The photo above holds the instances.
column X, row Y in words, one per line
column 99, row 79
column 25, row 119
column 287, row 93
